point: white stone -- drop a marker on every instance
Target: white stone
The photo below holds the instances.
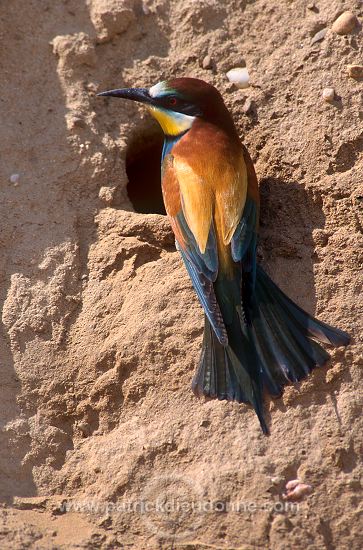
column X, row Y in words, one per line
column 14, row 178
column 328, row 94
column 239, row 77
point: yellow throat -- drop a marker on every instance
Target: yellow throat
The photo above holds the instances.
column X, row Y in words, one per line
column 171, row 122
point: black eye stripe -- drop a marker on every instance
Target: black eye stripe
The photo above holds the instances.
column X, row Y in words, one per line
column 174, row 103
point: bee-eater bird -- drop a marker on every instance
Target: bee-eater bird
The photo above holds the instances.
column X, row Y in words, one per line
column 255, row 337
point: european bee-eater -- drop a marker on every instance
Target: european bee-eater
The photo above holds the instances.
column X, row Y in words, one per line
column 255, row 337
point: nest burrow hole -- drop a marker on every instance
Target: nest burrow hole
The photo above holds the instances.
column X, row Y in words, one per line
column 143, row 157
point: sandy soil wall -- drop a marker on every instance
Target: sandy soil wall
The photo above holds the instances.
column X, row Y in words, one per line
column 100, row 328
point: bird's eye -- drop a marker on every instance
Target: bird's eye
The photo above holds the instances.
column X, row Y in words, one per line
column 173, row 101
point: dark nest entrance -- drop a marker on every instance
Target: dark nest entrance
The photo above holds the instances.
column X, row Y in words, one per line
column 143, row 158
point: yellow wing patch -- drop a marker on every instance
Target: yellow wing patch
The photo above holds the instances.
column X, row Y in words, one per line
column 197, row 201
column 213, row 191
column 230, row 199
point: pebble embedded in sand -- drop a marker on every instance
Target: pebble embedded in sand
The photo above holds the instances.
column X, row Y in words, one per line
column 345, row 23
column 14, row 178
column 328, row 94
column 247, row 106
column 277, row 480
column 355, row 71
column 239, row 77
column 290, row 485
column 320, row 35
column 106, row 194
column 296, row 490
column 207, row 62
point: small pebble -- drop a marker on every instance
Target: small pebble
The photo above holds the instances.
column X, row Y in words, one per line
column 276, row 480
column 14, row 178
column 239, row 77
column 320, row 35
column 355, row 71
column 290, row 485
column 247, row 106
column 328, row 94
column 345, row 24
column 106, row 194
column 296, row 490
column 207, row 62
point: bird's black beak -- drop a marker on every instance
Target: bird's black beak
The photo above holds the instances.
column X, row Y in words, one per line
column 135, row 94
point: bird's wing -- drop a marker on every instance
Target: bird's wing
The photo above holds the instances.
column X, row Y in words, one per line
column 245, row 232
column 244, row 239
column 212, row 199
column 208, row 214
column 195, row 234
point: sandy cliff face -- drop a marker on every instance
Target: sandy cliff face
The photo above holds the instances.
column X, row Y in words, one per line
column 101, row 329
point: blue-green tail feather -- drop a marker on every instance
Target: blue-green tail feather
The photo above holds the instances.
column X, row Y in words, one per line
column 270, row 344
